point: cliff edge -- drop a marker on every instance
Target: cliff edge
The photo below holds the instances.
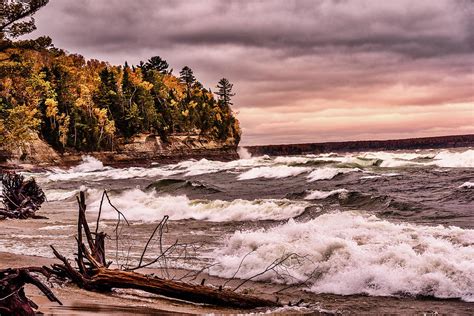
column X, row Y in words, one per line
column 142, row 150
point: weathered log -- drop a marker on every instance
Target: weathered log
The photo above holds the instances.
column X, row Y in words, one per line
column 93, row 274
column 21, row 198
column 108, row 278
column 13, row 300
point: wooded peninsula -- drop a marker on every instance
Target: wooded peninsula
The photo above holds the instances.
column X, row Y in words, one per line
column 90, row 105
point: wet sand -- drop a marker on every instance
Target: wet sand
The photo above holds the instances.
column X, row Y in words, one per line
column 124, row 302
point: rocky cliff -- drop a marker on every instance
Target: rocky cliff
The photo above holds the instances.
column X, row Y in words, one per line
column 142, row 150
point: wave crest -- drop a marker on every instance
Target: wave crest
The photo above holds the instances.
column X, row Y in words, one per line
column 354, row 253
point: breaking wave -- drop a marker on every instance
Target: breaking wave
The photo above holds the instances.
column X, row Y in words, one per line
column 175, row 185
column 352, row 253
column 327, row 173
column 67, row 194
column 274, row 172
column 149, row 207
column 88, row 164
column 319, row 195
column 467, row 185
column 448, row 159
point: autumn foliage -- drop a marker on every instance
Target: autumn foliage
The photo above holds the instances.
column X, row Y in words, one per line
column 73, row 103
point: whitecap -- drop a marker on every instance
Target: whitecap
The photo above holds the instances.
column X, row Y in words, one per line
column 88, row 164
column 328, row 173
column 320, row 195
column 149, row 207
column 273, row 172
column 354, row 253
column 467, row 185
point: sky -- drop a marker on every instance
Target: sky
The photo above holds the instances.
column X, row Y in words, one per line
column 303, row 70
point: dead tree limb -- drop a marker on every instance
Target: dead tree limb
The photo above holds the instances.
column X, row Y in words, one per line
column 93, row 274
column 13, row 300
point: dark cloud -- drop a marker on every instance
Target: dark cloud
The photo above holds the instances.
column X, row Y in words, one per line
column 290, row 55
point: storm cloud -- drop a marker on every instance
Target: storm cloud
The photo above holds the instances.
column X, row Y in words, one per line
column 303, row 70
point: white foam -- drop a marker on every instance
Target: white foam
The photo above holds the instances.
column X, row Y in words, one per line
column 149, row 206
column 371, row 177
column 355, row 253
column 88, row 164
column 327, row 173
column 61, row 195
column 266, row 167
column 444, row 158
column 447, row 159
column 468, row 185
column 57, row 227
column 319, row 195
column 111, row 173
column 393, row 174
column 274, row 172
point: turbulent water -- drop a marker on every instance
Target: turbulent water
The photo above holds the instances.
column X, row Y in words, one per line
column 377, row 223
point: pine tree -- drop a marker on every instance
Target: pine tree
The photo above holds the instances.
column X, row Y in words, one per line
column 156, row 63
column 225, row 92
column 187, row 77
column 14, row 16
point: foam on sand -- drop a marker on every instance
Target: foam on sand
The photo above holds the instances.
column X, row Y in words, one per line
column 355, row 253
column 149, row 207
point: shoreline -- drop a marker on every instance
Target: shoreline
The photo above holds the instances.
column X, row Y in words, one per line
column 142, row 151
column 81, row 302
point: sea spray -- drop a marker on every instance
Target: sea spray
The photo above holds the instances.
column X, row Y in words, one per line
column 355, row 253
column 243, row 153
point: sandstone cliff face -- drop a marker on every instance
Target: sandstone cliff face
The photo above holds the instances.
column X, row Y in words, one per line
column 141, row 150
column 36, row 152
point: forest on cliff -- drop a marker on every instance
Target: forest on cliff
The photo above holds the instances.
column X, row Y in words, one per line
column 74, row 103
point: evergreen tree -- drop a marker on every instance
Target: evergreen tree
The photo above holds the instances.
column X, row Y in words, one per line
column 14, row 16
column 156, row 63
column 225, row 92
column 187, row 77
column 108, row 97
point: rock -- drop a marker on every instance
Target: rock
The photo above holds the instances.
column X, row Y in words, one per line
column 142, row 150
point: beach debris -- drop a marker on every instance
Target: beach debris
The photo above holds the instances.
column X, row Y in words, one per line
column 92, row 270
column 13, row 300
column 21, row 197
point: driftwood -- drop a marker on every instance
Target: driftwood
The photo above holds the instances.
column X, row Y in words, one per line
column 21, row 198
column 92, row 272
column 13, row 300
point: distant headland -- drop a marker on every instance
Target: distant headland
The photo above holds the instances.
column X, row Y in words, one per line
column 452, row 141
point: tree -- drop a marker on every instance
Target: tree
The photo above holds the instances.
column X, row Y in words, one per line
column 225, row 92
column 91, row 105
column 16, row 17
column 156, row 63
column 186, row 76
